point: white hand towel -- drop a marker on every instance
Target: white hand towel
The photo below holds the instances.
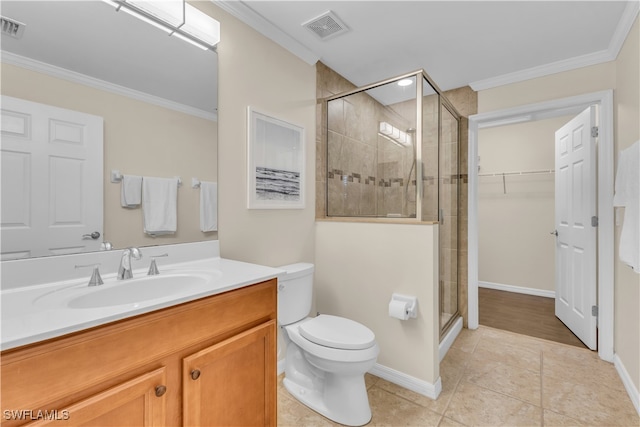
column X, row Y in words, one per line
column 160, row 205
column 131, row 191
column 208, row 206
column 627, row 194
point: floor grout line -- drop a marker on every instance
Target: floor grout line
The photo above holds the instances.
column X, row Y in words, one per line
column 541, row 388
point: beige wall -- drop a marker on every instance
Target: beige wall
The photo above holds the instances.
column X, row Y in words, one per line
column 139, row 139
column 556, row 86
column 627, row 288
column 349, row 284
column 516, row 216
column 622, row 76
column 254, row 71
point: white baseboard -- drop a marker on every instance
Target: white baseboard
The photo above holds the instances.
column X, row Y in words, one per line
column 419, row 386
column 517, row 289
column 628, row 382
column 447, row 340
column 281, row 366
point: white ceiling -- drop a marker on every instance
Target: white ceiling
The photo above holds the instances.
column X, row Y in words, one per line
column 458, row 43
column 91, row 38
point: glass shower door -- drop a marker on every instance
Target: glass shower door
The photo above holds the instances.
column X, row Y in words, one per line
column 448, row 216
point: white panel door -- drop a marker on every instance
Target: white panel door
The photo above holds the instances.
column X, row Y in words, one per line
column 575, row 185
column 51, row 180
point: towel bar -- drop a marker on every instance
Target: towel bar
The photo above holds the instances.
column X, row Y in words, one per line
column 116, row 177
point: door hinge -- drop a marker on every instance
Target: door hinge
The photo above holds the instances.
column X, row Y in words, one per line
column 594, row 221
column 594, row 310
column 594, row 132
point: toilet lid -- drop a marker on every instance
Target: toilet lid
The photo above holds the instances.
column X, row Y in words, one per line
column 337, row 332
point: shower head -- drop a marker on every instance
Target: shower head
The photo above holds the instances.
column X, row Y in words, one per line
column 411, row 133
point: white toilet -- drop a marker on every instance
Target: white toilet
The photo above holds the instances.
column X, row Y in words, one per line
column 327, row 356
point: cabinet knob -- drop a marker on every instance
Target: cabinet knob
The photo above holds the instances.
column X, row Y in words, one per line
column 160, row 390
column 195, row 374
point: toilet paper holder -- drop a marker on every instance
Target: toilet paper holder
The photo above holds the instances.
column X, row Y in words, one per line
column 411, row 301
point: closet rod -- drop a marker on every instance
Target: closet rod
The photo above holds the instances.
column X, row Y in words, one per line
column 534, row 172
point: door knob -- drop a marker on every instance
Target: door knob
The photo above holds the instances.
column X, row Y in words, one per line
column 95, row 235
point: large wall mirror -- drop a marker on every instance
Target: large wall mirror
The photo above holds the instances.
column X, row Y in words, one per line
column 156, row 95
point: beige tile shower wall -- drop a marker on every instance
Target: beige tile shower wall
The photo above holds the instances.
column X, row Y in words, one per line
column 359, row 266
column 465, row 100
column 366, row 174
column 139, row 139
column 448, row 205
column 329, row 83
column 430, row 154
column 352, row 156
column 515, row 216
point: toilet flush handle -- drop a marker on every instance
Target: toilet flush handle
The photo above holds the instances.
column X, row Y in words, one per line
column 280, row 287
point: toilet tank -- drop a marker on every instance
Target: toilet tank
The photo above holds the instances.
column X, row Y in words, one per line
column 295, row 292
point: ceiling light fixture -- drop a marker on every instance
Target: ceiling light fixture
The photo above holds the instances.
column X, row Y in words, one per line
column 405, row 82
column 175, row 17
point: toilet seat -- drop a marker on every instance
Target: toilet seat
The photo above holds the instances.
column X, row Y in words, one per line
column 337, row 332
column 334, row 354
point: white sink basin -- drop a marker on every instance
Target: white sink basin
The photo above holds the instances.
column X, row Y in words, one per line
column 134, row 291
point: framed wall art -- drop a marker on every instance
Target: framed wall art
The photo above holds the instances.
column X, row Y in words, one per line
column 276, row 159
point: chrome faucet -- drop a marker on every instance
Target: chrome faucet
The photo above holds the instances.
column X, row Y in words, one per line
column 125, row 271
column 95, row 280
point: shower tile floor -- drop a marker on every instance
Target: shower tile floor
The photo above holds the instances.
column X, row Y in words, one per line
column 492, row 377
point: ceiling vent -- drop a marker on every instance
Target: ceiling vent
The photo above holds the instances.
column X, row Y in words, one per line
column 326, row 26
column 11, row 27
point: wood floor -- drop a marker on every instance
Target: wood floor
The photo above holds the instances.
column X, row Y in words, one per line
column 523, row 314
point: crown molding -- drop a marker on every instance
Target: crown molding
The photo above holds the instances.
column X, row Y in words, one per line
column 83, row 79
column 624, row 26
column 244, row 13
column 610, row 54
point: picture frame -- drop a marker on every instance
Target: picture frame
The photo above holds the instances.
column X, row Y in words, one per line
column 275, row 163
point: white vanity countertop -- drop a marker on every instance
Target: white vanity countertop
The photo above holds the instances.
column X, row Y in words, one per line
column 36, row 313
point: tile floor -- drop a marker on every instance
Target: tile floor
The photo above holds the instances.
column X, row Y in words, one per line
column 497, row 378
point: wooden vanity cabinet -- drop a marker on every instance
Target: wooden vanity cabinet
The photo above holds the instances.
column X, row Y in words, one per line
column 206, row 362
column 213, row 395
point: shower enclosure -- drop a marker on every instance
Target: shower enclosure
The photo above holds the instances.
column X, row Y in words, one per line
column 392, row 152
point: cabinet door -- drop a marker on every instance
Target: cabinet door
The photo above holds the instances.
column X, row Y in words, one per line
column 137, row 402
column 233, row 383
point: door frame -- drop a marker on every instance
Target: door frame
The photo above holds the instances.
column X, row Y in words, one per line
column 605, row 168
